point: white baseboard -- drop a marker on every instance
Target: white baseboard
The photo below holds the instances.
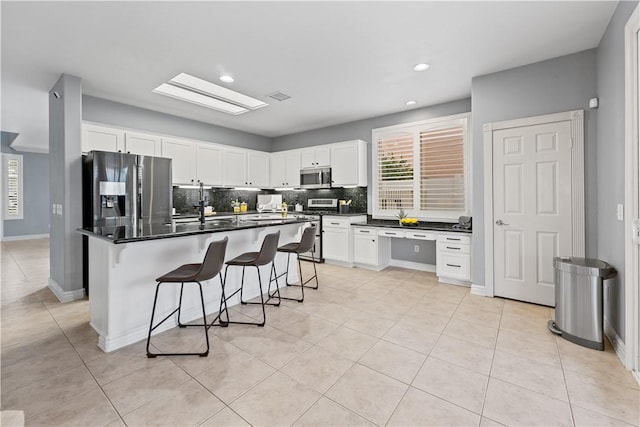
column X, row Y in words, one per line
column 616, row 341
column 25, row 237
column 431, row 268
column 340, row 263
column 62, row 295
column 480, row 290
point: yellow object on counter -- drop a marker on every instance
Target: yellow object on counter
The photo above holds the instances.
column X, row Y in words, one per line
column 285, row 211
column 243, row 207
column 236, row 209
column 409, row 221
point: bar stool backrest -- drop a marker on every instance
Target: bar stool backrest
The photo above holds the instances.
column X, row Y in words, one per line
column 213, row 260
column 268, row 250
column 308, row 239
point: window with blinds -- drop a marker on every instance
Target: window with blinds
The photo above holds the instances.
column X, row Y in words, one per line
column 395, row 172
column 442, row 169
column 13, row 186
column 421, row 168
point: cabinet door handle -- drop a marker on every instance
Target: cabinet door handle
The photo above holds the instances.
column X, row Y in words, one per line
column 364, row 231
column 334, row 223
column 451, row 238
column 457, row 249
column 453, row 265
column 419, row 235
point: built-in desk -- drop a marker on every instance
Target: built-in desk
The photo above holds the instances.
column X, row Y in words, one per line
column 372, row 248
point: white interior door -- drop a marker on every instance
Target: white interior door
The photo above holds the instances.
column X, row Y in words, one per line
column 532, row 209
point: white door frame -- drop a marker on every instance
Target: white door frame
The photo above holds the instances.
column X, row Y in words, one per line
column 631, row 188
column 577, row 185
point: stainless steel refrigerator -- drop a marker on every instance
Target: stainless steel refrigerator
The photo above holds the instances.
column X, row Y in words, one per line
column 124, row 190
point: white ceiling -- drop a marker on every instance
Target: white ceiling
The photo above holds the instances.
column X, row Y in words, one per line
column 339, row 61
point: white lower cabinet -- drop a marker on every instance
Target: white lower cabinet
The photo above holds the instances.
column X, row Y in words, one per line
column 335, row 244
column 369, row 250
column 337, row 237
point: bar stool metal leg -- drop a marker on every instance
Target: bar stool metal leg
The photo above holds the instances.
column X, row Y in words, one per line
column 205, row 325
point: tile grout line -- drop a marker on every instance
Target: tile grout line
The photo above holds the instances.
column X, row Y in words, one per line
column 87, row 368
column 495, row 346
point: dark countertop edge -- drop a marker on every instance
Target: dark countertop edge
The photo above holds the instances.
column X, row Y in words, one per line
column 413, row 227
column 290, row 213
column 185, row 233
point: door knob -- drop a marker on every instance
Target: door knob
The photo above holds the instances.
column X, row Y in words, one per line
column 500, row 222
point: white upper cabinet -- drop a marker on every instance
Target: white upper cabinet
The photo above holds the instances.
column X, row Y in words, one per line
column 182, row 155
column 285, row 169
column 293, row 168
column 234, row 167
column 257, row 169
column 208, row 164
column 101, row 138
column 140, row 143
column 315, row 156
column 349, row 164
column 278, row 170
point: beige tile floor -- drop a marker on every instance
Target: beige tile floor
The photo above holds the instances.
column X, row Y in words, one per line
column 389, row 348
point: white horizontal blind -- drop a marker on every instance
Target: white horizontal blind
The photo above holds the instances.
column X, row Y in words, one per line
column 442, row 169
column 13, row 186
column 395, row 171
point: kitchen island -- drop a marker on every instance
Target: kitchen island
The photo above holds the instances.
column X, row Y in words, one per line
column 124, row 262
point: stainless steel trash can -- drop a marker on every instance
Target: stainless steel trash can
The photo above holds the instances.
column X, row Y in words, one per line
column 579, row 300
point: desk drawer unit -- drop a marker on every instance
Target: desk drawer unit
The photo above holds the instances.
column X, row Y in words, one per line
column 420, row 235
column 454, row 257
column 455, row 266
column 391, row 233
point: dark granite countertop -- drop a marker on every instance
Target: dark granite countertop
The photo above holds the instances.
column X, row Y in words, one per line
column 127, row 234
column 422, row 225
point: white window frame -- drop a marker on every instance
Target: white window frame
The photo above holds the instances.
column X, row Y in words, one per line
column 5, row 188
column 415, row 128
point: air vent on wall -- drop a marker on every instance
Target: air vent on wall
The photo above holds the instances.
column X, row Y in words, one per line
column 279, row 96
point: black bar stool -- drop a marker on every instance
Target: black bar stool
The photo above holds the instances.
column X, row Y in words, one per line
column 254, row 259
column 305, row 245
column 195, row 273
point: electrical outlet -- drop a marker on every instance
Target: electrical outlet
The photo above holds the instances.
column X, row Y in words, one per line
column 416, row 248
column 620, row 212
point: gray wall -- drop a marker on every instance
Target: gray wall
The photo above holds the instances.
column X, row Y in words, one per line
column 610, row 68
column 361, row 129
column 35, row 175
column 117, row 114
column 65, row 183
column 559, row 84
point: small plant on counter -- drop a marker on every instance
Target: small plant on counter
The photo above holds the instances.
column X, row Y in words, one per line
column 236, row 206
column 401, row 215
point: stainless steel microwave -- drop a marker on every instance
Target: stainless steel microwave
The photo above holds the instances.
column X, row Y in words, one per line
column 315, row 177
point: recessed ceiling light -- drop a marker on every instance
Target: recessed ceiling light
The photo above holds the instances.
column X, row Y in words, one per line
column 412, row 102
column 421, row 67
column 226, row 78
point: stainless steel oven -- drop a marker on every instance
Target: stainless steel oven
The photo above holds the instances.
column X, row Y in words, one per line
column 316, row 208
column 315, row 177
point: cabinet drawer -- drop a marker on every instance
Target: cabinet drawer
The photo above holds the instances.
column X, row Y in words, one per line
column 455, row 238
column 391, row 233
column 454, row 247
column 335, row 222
column 365, row 231
column 420, row 235
column 455, row 266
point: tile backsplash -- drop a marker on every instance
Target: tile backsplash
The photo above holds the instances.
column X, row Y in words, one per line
column 185, row 200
